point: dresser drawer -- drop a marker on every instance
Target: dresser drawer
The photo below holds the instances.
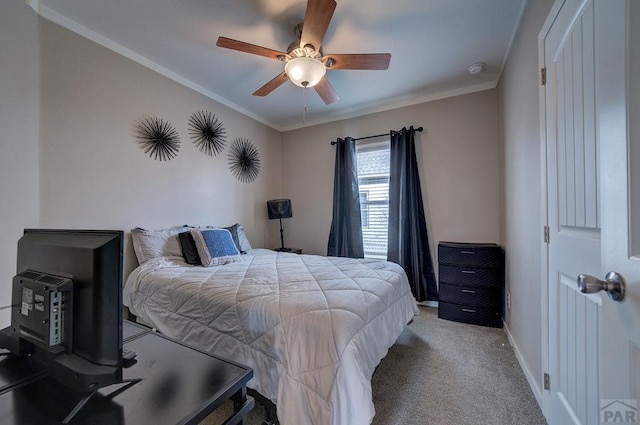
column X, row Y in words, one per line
column 469, row 314
column 467, row 254
column 473, row 276
column 470, row 295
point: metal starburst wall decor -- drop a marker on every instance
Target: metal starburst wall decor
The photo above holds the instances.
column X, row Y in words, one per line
column 207, row 133
column 158, row 138
column 244, row 160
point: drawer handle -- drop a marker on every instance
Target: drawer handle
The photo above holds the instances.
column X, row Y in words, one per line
column 467, row 252
column 468, row 310
column 468, row 272
column 468, row 291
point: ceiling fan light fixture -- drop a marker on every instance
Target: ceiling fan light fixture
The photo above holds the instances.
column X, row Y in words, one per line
column 305, row 71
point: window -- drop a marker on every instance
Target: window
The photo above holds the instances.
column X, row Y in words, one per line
column 373, row 179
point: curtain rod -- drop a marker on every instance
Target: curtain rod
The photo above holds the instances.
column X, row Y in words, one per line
column 419, row 129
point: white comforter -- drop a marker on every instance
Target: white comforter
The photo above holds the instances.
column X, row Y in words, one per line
column 312, row 328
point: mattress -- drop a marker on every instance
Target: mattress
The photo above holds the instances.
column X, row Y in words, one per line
column 312, row 328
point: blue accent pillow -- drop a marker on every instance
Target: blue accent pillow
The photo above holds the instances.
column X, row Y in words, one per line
column 215, row 247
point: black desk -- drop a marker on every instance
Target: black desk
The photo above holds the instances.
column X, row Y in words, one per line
column 179, row 385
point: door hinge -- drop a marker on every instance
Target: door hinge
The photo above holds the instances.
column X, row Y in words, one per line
column 547, row 383
column 543, row 76
column 547, row 238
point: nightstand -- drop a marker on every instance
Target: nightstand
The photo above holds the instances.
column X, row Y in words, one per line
column 291, row 250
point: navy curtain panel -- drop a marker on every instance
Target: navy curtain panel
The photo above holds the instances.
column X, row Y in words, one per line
column 345, row 237
column 408, row 243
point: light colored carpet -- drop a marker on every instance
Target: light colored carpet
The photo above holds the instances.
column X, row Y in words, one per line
column 444, row 373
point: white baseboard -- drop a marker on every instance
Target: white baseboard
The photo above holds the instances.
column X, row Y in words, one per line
column 537, row 391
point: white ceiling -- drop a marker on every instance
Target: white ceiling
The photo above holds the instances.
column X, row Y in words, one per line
column 432, row 43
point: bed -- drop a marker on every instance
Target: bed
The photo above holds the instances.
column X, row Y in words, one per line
column 312, row 328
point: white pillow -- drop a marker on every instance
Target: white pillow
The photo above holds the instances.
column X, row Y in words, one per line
column 242, row 238
column 149, row 244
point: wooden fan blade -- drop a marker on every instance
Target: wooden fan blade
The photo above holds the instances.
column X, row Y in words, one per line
column 241, row 46
column 326, row 91
column 375, row 61
column 272, row 85
column 316, row 21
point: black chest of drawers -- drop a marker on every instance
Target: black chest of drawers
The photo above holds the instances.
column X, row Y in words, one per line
column 471, row 283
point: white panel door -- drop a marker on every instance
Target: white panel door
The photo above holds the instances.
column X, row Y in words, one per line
column 592, row 107
column 573, row 214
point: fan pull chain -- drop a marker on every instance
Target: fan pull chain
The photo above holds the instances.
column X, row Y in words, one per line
column 304, row 103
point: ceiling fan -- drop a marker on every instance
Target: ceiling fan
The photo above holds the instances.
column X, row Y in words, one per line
column 305, row 63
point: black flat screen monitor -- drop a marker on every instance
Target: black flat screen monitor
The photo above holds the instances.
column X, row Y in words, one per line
column 90, row 262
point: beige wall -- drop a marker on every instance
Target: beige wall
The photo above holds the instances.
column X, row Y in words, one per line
column 458, row 161
column 93, row 173
column 69, row 156
column 522, row 183
column 19, row 116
